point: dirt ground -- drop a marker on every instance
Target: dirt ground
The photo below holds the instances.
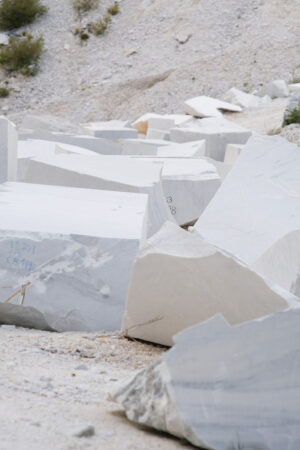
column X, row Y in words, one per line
column 53, row 386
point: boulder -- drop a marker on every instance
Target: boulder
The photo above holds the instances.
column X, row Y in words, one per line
column 208, row 107
column 142, row 146
column 8, row 150
column 274, row 89
column 180, row 280
column 68, row 253
column 259, row 201
column 224, row 387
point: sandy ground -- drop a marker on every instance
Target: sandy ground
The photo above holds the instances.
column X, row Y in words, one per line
column 52, row 386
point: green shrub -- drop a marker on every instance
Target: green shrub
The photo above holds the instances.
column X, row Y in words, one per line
column 113, row 10
column 4, row 92
column 82, row 6
column 292, row 116
column 22, row 55
column 99, row 28
column 16, row 13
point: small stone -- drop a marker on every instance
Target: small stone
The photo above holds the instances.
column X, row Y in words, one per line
column 130, row 51
column 82, row 367
column 88, row 431
column 183, row 37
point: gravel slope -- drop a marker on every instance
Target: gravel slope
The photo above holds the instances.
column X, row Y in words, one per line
column 233, row 42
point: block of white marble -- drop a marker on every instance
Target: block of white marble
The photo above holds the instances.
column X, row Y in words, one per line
column 245, row 100
column 216, row 133
column 154, row 133
column 68, row 253
column 111, row 130
column 208, row 107
column 274, row 89
column 188, row 184
column 281, row 262
column 232, row 153
column 224, row 387
column 193, row 149
column 161, row 122
column 113, row 173
column 179, row 280
column 259, row 201
column 98, row 145
column 142, row 146
column 8, row 150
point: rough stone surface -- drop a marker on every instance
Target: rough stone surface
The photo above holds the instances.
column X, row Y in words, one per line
column 224, row 387
column 179, row 280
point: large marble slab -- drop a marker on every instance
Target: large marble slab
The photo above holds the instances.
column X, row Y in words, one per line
column 224, row 387
column 188, row 184
column 179, row 280
column 259, row 201
column 68, row 253
column 98, row 145
column 111, row 173
column 204, row 106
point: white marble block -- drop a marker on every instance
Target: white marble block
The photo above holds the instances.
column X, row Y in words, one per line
column 224, row 387
column 97, row 145
column 179, row 280
column 245, row 100
column 281, row 263
column 113, row 173
column 111, row 130
column 160, row 122
column 8, row 150
column 258, row 203
column 188, row 185
column 194, row 149
column 68, row 253
column 216, row 133
column 208, row 107
column 142, row 146
column 274, row 89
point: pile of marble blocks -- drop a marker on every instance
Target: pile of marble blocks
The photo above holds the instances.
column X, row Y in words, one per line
column 178, row 223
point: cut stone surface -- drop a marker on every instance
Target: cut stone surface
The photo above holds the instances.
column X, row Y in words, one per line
column 68, row 253
column 142, row 146
column 8, row 150
column 258, row 203
column 245, row 100
column 274, row 89
column 194, row 149
column 232, row 153
column 153, row 133
column 281, row 263
column 111, row 173
column 111, row 130
column 179, row 280
column 161, row 122
column 224, row 387
column 98, row 145
column 208, row 107
column 188, row 185
column 217, row 134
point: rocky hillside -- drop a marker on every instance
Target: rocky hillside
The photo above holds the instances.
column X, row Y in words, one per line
column 155, row 54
